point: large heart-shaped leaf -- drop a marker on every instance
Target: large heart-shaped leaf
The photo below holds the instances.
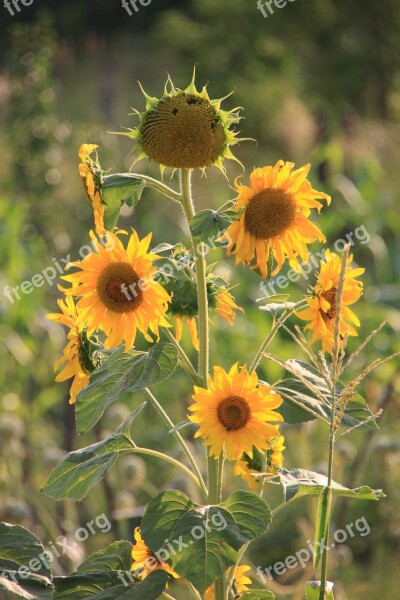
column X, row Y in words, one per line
column 78, row 471
column 115, row 557
column 201, row 542
column 123, row 372
column 299, row 483
column 24, row 570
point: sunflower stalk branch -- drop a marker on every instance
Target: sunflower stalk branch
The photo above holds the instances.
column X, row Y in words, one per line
column 159, row 409
column 156, row 185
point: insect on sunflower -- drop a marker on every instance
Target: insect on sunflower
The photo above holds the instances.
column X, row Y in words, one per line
column 186, row 129
column 321, row 311
column 273, row 218
column 118, row 292
column 234, row 413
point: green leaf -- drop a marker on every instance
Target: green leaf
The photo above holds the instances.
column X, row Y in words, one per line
column 313, row 589
column 299, row 483
column 208, row 225
column 115, row 557
column 23, row 567
column 109, row 585
column 117, row 190
column 276, row 307
column 78, row 471
column 123, row 372
column 257, row 595
column 205, row 539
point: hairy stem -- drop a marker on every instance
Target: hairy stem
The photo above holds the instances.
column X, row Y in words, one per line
column 214, row 466
column 157, row 406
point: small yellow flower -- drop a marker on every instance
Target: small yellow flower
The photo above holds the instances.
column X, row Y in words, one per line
column 117, row 290
column 234, row 413
column 273, row 219
column 145, row 561
column 248, row 468
column 79, row 361
column 321, row 311
column 225, row 306
column 88, row 171
column 186, row 129
column 240, row 582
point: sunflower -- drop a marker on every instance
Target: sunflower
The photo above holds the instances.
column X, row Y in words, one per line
column 117, row 290
column 273, row 217
column 321, row 311
column 240, row 582
column 225, row 306
column 248, row 468
column 235, row 413
column 81, row 355
column 145, row 561
column 90, row 172
column 186, row 129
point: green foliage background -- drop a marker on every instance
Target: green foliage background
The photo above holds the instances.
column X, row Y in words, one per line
column 319, row 81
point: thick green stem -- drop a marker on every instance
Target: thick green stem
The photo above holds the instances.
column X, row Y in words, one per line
column 214, row 466
column 327, row 503
column 157, row 406
column 186, row 363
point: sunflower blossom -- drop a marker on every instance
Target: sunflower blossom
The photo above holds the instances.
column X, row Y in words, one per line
column 78, row 355
column 145, row 561
column 321, row 311
column 248, row 468
column 234, row 413
column 118, row 292
column 273, row 219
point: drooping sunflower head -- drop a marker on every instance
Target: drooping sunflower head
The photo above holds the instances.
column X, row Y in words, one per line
column 91, row 175
column 248, row 467
column 118, row 291
column 145, row 561
column 234, row 413
column 186, row 129
column 322, row 306
column 273, row 217
column 82, row 354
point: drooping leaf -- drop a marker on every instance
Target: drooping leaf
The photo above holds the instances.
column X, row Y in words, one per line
column 78, row 471
column 116, row 191
column 205, row 539
column 24, row 570
column 299, row 483
column 208, row 225
column 109, row 585
column 123, row 372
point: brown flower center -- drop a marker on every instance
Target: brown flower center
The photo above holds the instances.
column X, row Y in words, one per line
column 233, row 413
column 329, row 296
column 118, row 288
column 270, row 213
column 183, row 132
